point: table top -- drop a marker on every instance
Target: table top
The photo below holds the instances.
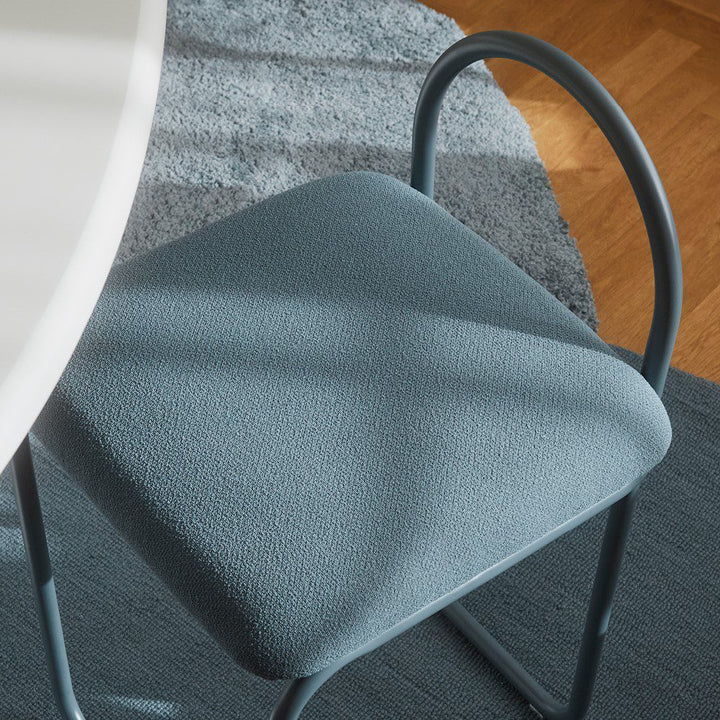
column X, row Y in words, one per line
column 78, row 84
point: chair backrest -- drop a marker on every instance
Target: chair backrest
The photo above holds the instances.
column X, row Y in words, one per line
column 618, row 129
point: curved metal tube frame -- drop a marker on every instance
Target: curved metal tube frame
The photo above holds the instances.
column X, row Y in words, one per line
column 667, row 268
column 616, row 127
column 668, row 292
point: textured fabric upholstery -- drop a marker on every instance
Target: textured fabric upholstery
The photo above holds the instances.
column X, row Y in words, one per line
column 317, row 416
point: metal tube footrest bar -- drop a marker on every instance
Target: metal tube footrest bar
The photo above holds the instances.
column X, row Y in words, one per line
column 596, row 624
column 504, row 662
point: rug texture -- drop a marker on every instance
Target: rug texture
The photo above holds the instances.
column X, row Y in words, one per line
column 259, row 97
column 256, row 98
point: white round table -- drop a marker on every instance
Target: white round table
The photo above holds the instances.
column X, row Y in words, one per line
column 78, row 84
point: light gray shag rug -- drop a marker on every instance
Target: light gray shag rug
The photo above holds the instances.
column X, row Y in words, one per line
column 256, row 98
column 259, row 97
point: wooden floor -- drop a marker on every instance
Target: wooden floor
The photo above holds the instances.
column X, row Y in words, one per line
column 661, row 61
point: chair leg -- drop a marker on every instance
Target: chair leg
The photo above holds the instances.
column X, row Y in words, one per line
column 596, row 625
column 292, row 701
column 299, row 691
column 36, row 549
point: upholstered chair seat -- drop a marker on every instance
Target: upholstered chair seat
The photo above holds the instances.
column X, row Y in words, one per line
column 318, row 416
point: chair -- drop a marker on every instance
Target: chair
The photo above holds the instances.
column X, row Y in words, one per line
column 334, row 414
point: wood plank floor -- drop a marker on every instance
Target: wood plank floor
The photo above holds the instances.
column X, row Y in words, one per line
column 661, row 61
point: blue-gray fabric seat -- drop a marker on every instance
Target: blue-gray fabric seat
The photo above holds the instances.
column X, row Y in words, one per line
column 317, row 416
